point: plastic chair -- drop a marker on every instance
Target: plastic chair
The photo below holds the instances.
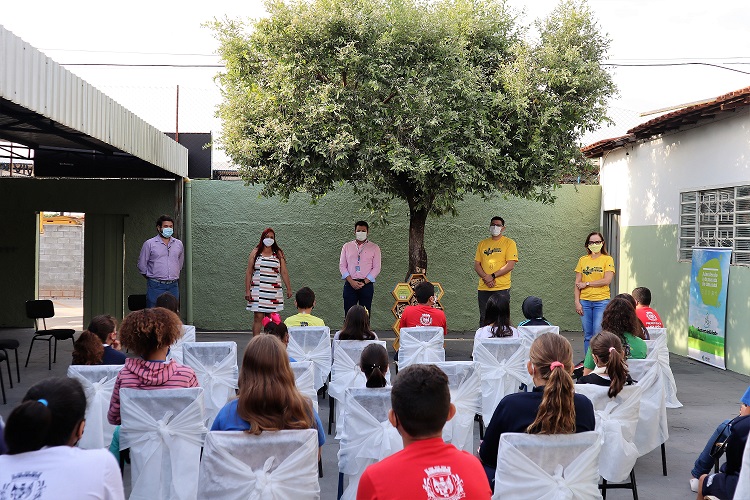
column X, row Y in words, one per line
column 43, row 309
column 529, row 333
column 272, row 465
column 652, row 430
column 502, row 364
column 137, row 302
column 11, row 345
column 98, row 382
column 367, row 436
column 164, row 430
column 215, row 365
column 175, row 350
column 345, row 373
column 550, row 467
column 420, row 344
column 616, row 422
column 466, row 395
column 658, row 350
column 312, row 343
column 304, row 378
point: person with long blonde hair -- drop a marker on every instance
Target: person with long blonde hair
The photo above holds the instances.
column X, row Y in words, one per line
column 552, row 407
column 268, row 397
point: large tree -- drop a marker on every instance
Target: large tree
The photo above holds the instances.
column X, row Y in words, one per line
column 423, row 101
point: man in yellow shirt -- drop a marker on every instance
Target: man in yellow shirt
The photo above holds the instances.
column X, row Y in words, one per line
column 495, row 258
column 305, row 301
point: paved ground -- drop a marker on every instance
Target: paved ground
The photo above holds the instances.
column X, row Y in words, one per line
column 709, row 395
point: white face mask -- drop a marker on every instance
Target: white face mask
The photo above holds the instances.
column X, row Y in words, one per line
column 361, row 235
column 496, row 230
column 268, row 242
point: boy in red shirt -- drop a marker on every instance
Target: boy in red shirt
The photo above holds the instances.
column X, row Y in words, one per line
column 427, row 468
column 648, row 316
column 424, row 314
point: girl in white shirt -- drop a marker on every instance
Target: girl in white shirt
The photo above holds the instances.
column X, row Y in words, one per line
column 497, row 320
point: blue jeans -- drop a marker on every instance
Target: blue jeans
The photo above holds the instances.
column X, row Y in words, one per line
column 591, row 320
column 154, row 289
column 705, row 461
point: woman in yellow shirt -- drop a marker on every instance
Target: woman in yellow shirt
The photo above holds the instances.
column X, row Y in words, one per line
column 594, row 273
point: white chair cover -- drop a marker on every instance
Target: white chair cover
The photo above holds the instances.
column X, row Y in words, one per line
column 215, row 365
column 658, row 350
column 502, row 363
column 529, row 333
column 743, row 484
column 281, row 465
column 164, row 430
column 465, row 386
column 652, row 428
column 616, row 422
column 312, row 343
column 548, row 467
column 367, row 435
column 175, row 350
column 345, row 372
column 304, row 378
column 98, row 382
column 655, row 333
column 420, row 344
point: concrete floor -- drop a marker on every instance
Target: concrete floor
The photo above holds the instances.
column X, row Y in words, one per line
column 709, row 396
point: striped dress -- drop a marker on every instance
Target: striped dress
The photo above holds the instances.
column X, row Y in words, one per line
column 266, row 294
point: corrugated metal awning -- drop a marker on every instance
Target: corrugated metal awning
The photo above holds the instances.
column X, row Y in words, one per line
column 43, row 105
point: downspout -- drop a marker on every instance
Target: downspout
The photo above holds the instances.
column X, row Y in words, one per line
column 188, row 252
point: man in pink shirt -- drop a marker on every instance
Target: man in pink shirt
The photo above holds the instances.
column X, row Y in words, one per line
column 359, row 265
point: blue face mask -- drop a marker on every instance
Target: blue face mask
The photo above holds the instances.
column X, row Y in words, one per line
column 167, row 232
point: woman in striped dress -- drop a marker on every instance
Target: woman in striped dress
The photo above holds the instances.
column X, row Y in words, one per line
column 266, row 267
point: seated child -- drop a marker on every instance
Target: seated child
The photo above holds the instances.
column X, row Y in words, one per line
column 532, row 311
column 643, row 310
column 611, row 369
column 304, row 300
column 281, row 332
column 374, row 364
column 421, row 404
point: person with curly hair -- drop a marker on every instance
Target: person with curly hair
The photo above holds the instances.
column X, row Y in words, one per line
column 619, row 318
column 98, row 344
column 149, row 333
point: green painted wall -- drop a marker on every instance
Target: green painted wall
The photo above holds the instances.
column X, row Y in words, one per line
column 649, row 258
column 228, row 218
column 141, row 201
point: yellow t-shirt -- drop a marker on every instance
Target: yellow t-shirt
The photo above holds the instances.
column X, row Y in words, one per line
column 302, row 319
column 493, row 255
column 592, row 270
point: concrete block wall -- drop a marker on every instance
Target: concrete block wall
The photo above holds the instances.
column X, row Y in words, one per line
column 61, row 261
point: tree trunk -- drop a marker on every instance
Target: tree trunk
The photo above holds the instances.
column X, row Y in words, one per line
column 417, row 253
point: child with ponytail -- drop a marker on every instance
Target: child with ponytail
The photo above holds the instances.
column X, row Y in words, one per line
column 611, row 369
column 374, row 364
column 552, row 407
column 43, row 460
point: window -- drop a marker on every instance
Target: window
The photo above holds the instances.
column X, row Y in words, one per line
column 716, row 218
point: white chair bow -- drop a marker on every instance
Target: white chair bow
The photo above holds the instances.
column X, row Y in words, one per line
column 465, row 387
column 304, row 379
column 367, row 435
column 548, row 467
column 421, row 344
column 98, row 381
column 215, row 366
column 652, row 430
column 175, row 350
column 164, row 430
column 312, row 343
column 502, row 363
column 616, row 422
column 529, row 333
column 277, row 465
column 658, row 350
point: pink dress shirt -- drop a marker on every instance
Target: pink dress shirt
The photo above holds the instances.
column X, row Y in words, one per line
column 360, row 261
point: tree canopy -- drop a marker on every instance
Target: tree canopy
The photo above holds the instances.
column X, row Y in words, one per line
column 423, row 101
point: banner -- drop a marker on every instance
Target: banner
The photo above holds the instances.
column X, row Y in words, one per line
column 709, row 278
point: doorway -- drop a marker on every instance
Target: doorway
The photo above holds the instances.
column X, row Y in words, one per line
column 611, row 232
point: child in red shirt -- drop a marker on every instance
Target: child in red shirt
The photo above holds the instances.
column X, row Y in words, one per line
column 427, row 468
column 648, row 316
column 424, row 314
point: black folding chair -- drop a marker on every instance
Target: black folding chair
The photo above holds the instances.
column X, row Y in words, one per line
column 43, row 309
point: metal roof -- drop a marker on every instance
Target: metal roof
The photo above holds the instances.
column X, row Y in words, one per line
column 43, row 105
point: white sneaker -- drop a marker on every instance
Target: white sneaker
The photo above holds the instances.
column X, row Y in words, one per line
column 694, row 484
